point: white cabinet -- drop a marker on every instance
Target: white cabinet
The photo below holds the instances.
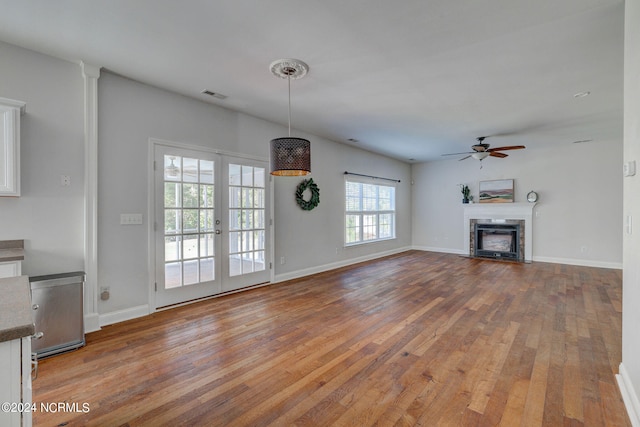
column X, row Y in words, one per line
column 10, row 112
column 15, row 370
column 10, row 269
column 16, row 329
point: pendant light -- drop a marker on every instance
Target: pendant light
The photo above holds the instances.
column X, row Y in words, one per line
column 290, row 156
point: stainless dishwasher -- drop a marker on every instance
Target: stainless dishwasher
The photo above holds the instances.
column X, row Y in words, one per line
column 58, row 313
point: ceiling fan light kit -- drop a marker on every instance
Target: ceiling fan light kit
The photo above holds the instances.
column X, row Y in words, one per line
column 290, row 156
column 480, row 155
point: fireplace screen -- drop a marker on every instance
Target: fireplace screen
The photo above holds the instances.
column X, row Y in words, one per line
column 497, row 240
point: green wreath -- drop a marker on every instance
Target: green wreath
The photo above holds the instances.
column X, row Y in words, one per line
column 307, row 205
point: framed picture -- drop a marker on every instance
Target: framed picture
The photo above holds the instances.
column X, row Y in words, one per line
column 497, row 191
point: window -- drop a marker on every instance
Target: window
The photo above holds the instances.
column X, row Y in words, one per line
column 370, row 212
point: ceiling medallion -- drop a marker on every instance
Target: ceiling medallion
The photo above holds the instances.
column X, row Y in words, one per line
column 289, row 68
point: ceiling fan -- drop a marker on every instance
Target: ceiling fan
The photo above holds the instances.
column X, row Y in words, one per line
column 481, row 150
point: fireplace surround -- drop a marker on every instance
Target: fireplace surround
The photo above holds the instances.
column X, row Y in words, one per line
column 501, row 213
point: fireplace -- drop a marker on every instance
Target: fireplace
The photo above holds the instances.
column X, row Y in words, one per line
column 500, row 241
column 501, row 214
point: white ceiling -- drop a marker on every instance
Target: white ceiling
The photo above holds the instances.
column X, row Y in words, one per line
column 412, row 79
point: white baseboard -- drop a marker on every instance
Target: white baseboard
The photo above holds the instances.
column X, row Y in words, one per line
column 580, row 262
column 629, row 396
column 553, row 260
column 91, row 322
column 331, row 266
column 441, row 250
column 122, row 315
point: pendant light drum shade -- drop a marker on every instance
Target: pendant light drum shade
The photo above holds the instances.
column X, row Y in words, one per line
column 290, row 156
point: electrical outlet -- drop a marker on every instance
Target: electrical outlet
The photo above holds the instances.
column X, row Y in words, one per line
column 283, row 261
column 104, row 293
column 65, row 180
column 584, row 249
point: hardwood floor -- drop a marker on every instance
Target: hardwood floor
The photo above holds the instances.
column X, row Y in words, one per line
column 417, row 338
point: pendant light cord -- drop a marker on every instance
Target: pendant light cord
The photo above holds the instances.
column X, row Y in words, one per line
column 289, row 81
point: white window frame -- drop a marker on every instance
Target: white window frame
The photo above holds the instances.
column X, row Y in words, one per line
column 362, row 213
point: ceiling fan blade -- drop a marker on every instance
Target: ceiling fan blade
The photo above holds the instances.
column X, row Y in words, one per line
column 457, row 154
column 498, row 154
column 509, row 147
column 466, row 157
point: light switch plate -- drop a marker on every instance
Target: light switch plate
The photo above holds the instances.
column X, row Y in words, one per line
column 130, row 219
column 629, row 168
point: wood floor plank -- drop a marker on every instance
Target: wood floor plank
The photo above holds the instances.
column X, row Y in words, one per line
column 416, row 338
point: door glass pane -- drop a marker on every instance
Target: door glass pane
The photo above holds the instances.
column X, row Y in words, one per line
column 258, row 218
column 235, row 265
column 247, row 219
column 247, row 198
column 234, row 197
column 234, row 175
column 234, row 242
column 172, row 248
column 234, row 219
column 172, row 168
column 207, row 247
column 259, row 264
column 258, row 177
column 190, row 195
column 172, row 221
column 189, row 221
column 247, row 241
column 206, row 196
column 258, row 239
column 258, row 198
column 247, row 263
column 172, row 195
column 207, row 269
column 172, row 275
column 247, row 247
column 190, row 246
column 206, row 220
column 189, row 170
column 247, row 176
column 206, row 171
column 191, row 272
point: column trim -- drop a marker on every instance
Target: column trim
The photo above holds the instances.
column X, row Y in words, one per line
column 91, row 73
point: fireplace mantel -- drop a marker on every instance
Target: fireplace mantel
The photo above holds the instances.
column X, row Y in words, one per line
column 498, row 212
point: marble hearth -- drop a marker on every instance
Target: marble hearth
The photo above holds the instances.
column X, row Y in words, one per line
column 500, row 212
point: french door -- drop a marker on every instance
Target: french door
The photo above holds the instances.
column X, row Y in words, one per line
column 211, row 232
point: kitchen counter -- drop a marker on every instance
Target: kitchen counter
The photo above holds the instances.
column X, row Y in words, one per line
column 16, row 319
column 11, row 250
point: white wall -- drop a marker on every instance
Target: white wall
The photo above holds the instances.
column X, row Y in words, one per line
column 314, row 240
column 578, row 216
column 131, row 112
column 629, row 378
column 48, row 216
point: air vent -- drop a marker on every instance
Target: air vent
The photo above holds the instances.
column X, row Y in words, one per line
column 581, row 94
column 214, row 94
